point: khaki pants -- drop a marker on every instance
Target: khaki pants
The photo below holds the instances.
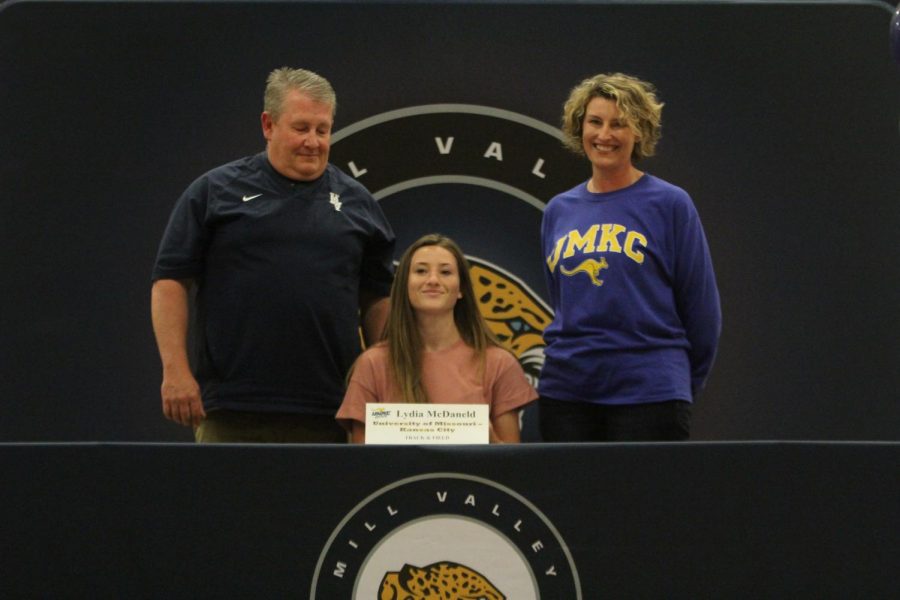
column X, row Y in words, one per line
column 227, row 426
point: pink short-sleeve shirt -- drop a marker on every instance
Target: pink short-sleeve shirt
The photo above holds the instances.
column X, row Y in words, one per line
column 449, row 376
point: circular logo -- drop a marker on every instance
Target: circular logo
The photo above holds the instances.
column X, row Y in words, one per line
column 445, row 535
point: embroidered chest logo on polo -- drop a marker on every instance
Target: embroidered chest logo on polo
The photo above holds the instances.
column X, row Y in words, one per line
column 335, row 201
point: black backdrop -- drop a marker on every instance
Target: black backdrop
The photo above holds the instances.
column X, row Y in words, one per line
column 729, row 520
column 781, row 121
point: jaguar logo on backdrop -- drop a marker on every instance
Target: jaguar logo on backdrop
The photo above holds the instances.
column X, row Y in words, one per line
column 513, row 312
column 482, row 176
column 445, row 535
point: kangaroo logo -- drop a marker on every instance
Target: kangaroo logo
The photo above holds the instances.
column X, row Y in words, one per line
column 589, row 267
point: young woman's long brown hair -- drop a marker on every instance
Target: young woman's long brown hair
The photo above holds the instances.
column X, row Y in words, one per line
column 402, row 334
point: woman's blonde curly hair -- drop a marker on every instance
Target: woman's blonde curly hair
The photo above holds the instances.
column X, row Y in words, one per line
column 636, row 101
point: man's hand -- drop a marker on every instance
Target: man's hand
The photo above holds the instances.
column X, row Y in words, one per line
column 180, row 392
column 181, row 400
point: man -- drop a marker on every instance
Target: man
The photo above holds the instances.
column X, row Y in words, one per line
column 288, row 256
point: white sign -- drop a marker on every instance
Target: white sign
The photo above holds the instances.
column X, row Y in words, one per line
column 427, row 423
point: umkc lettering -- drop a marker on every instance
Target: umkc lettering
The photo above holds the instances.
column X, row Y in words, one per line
column 610, row 241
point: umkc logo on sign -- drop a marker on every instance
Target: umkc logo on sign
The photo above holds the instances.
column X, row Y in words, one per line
column 482, row 176
column 445, row 535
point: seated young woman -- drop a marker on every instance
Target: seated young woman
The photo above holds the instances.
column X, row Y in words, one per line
column 437, row 347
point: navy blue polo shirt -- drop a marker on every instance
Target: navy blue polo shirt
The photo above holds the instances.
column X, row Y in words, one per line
column 279, row 266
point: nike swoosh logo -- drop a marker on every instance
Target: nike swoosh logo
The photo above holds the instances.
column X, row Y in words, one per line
column 249, row 198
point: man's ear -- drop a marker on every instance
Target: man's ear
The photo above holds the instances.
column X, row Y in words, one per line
column 267, row 123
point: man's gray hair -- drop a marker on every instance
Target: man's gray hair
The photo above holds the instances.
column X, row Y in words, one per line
column 283, row 80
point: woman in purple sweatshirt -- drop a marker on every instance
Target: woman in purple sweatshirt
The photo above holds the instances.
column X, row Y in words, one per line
column 637, row 316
